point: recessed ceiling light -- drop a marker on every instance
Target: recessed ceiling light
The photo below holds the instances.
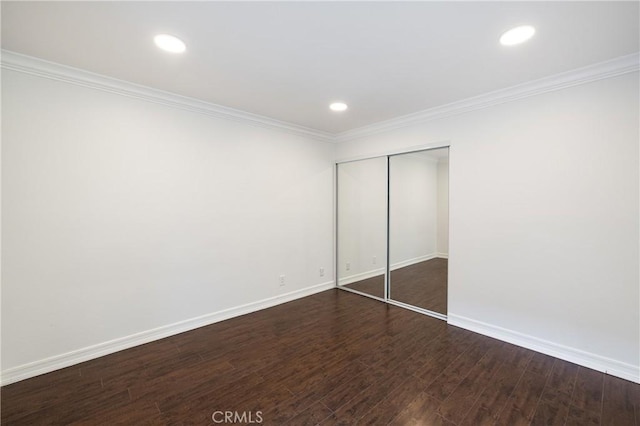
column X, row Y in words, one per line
column 169, row 43
column 517, row 35
column 338, row 106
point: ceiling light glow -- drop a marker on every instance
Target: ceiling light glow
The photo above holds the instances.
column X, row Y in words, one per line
column 338, row 106
column 517, row 35
column 169, row 43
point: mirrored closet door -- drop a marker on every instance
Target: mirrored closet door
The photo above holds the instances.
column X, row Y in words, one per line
column 393, row 229
column 362, row 226
column 419, row 229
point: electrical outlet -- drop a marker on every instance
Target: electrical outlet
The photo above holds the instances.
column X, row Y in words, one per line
column 321, row 271
column 281, row 280
column 375, row 259
column 348, row 265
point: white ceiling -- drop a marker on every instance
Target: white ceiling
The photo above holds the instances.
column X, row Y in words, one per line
column 289, row 60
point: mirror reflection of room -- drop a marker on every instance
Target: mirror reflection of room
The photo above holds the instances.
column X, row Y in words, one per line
column 362, row 216
column 419, row 228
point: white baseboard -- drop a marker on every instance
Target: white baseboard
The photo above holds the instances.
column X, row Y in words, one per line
column 361, row 276
column 442, row 255
column 586, row 359
column 57, row 362
column 380, row 271
column 413, row 261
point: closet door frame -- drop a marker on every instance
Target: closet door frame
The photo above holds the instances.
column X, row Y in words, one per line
column 387, row 275
column 337, row 228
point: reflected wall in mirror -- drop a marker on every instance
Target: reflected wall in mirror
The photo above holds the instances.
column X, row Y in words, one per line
column 419, row 228
column 362, row 225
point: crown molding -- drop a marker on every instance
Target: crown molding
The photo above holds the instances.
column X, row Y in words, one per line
column 53, row 71
column 42, row 68
column 599, row 71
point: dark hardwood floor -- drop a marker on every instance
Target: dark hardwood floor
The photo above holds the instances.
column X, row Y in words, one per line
column 332, row 358
column 423, row 284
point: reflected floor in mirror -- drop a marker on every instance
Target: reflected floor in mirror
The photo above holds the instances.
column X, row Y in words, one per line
column 423, row 285
column 373, row 286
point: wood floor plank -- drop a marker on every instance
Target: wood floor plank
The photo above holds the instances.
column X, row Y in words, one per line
column 454, row 373
column 494, row 398
column 335, row 382
column 553, row 407
column 138, row 413
column 587, row 395
column 357, row 407
column 443, row 352
column 75, row 410
column 46, row 391
column 343, row 394
column 285, row 409
column 35, row 387
column 523, row 401
column 618, row 403
column 185, row 379
column 313, row 415
column 387, row 409
column 423, row 410
column 580, row 417
column 541, row 364
column 456, row 406
column 551, row 413
column 561, row 381
column 229, row 385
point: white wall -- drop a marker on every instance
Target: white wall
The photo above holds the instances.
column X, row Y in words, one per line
column 443, row 208
column 121, row 216
column 544, row 211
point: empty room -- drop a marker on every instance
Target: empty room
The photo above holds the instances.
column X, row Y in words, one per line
column 320, row 213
